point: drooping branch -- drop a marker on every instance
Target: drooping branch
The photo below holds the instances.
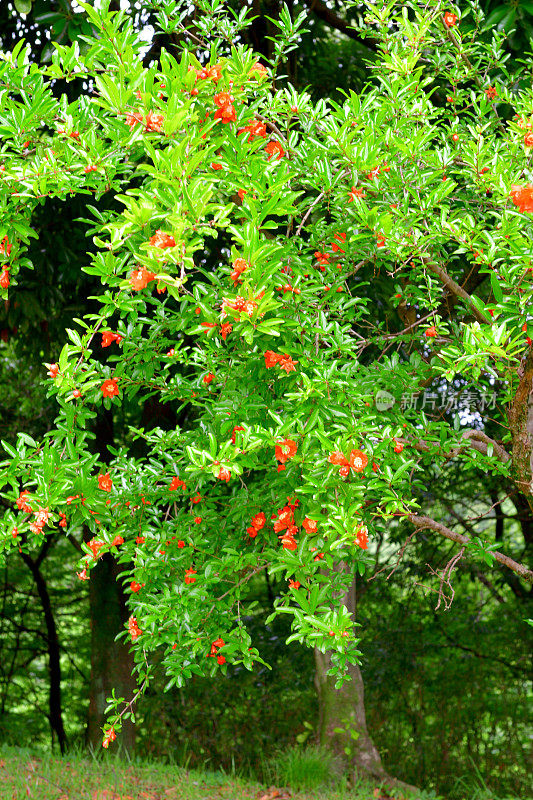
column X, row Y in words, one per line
column 422, row 523
column 477, row 440
column 457, row 290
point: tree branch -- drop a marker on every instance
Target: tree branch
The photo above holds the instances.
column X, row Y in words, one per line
column 478, row 440
column 422, row 523
column 457, row 290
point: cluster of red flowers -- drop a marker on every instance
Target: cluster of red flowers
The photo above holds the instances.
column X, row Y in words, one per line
column 361, row 537
column 239, row 266
column 5, row 247
column 109, row 388
column 109, row 737
column 355, row 193
column 216, row 645
column 285, row 522
column 225, row 327
column 224, row 474
column 189, row 576
column 213, row 73
column 357, row 461
column 522, row 196
column 208, row 378
column 285, row 362
column 225, row 108
column 140, row 278
column 323, row 258
column 176, row 483
column 108, row 337
column 95, row 545
column 21, row 502
column 134, row 629
column 258, row 522
column 152, row 122
column 5, row 250
column 41, row 518
column 241, row 304
column 234, row 431
column 285, row 449
column 254, row 129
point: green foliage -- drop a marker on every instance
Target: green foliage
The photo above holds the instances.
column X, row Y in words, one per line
column 268, row 263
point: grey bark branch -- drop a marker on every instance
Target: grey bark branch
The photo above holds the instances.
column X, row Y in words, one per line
column 478, row 440
column 457, row 290
column 422, row 523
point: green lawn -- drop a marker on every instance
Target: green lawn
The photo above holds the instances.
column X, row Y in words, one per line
column 43, row 777
column 26, row 774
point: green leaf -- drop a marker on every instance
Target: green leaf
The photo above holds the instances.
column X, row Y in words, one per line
column 496, row 288
column 23, row 6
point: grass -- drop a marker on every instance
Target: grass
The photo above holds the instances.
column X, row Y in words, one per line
column 25, row 774
column 295, row 774
column 309, row 769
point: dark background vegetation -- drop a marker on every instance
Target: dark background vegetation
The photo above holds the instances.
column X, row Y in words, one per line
column 446, row 691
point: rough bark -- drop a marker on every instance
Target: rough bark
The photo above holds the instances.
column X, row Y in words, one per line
column 342, row 720
column 521, row 427
column 342, row 717
column 111, row 661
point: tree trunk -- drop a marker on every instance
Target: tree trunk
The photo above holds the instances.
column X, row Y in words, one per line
column 111, row 661
column 342, row 719
column 52, row 640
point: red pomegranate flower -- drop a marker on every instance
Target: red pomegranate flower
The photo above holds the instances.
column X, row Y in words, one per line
column 358, row 460
column 338, row 458
column 450, row 20
column 285, row 450
column 162, row 240
column 105, row 483
column 140, row 278
column 274, row 148
column 109, row 387
column 522, row 196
